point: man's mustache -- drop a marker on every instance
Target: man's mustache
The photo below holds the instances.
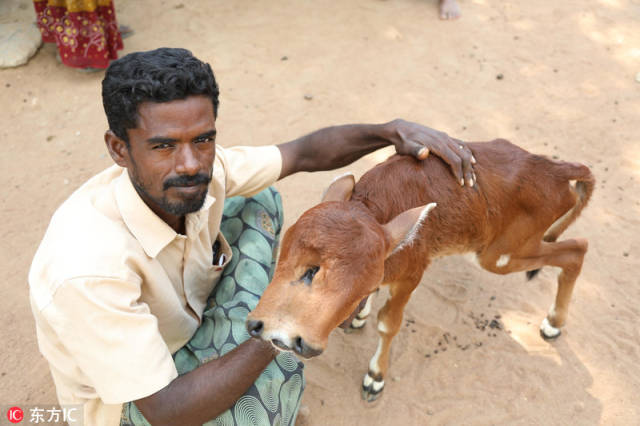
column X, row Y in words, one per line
column 186, row 180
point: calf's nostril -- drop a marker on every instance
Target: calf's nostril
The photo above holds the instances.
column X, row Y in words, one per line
column 255, row 327
column 304, row 349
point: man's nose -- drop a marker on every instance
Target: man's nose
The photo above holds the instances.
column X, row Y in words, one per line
column 187, row 160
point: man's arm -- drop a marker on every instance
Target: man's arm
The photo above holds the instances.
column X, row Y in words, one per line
column 337, row 146
column 207, row 391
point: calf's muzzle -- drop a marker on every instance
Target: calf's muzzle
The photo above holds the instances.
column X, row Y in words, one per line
column 297, row 344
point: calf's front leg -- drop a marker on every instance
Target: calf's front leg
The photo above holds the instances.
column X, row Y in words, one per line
column 389, row 323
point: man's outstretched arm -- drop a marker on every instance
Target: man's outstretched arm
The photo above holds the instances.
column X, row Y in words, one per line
column 207, row 391
column 338, row 146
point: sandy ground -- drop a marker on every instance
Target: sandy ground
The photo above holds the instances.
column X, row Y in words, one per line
column 568, row 89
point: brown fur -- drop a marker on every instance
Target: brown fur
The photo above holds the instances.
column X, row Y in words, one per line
column 514, row 209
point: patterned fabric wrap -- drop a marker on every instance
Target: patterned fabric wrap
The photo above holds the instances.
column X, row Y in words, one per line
column 252, row 228
column 85, row 31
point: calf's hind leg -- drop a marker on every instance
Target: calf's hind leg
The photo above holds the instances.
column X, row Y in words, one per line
column 567, row 255
column 389, row 322
column 571, row 263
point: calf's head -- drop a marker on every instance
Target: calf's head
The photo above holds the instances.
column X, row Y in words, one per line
column 331, row 259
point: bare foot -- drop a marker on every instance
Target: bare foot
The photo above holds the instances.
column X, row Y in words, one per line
column 449, row 9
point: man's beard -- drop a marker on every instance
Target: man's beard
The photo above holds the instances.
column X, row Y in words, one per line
column 177, row 208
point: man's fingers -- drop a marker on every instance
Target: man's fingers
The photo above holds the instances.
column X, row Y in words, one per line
column 466, row 159
column 454, row 161
column 462, row 147
column 468, row 171
column 423, row 152
column 454, row 152
column 414, row 148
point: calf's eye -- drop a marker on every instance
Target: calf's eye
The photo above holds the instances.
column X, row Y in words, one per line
column 309, row 274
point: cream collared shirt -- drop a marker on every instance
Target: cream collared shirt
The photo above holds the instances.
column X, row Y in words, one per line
column 115, row 291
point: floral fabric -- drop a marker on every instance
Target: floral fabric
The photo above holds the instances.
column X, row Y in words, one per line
column 85, row 31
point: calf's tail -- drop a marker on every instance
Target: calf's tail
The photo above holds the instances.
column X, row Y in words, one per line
column 583, row 188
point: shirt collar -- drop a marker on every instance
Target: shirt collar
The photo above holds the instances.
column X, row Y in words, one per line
column 152, row 233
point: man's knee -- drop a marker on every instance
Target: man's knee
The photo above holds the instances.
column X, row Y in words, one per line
column 271, row 200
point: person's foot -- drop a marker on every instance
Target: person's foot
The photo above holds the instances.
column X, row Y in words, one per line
column 449, row 9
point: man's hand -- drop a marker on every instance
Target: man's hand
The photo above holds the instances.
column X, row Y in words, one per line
column 337, row 146
column 206, row 392
column 417, row 140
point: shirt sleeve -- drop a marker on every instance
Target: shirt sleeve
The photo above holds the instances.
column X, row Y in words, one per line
column 112, row 337
column 248, row 169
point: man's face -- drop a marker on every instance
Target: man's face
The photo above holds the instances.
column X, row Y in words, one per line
column 170, row 155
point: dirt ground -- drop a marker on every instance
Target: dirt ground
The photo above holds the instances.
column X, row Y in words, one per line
column 557, row 78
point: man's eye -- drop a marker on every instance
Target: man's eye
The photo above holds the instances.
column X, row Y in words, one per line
column 309, row 274
column 204, row 140
column 162, row 146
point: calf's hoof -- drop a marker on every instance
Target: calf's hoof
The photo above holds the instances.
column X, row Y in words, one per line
column 371, row 388
column 356, row 325
column 549, row 332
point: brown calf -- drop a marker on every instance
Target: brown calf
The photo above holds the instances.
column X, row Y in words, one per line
column 378, row 233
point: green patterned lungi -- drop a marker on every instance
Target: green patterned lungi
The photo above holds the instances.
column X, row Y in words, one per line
column 252, row 228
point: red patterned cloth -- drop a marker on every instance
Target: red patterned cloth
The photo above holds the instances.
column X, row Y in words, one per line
column 86, row 32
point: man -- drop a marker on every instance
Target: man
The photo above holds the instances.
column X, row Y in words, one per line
column 124, row 286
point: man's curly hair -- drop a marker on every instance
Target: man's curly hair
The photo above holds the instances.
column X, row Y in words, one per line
column 160, row 75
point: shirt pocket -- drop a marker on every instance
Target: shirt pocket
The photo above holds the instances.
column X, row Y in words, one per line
column 220, row 260
column 200, row 294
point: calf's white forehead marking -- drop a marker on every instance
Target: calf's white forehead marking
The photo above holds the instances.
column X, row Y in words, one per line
column 378, row 385
column 548, row 330
column 503, row 260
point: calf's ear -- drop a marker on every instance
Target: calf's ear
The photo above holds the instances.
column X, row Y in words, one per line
column 404, row 228
column 340, row 188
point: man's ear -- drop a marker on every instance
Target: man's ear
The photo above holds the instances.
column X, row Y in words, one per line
column 117, row 148
column 404, row 228
column 340, row 189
